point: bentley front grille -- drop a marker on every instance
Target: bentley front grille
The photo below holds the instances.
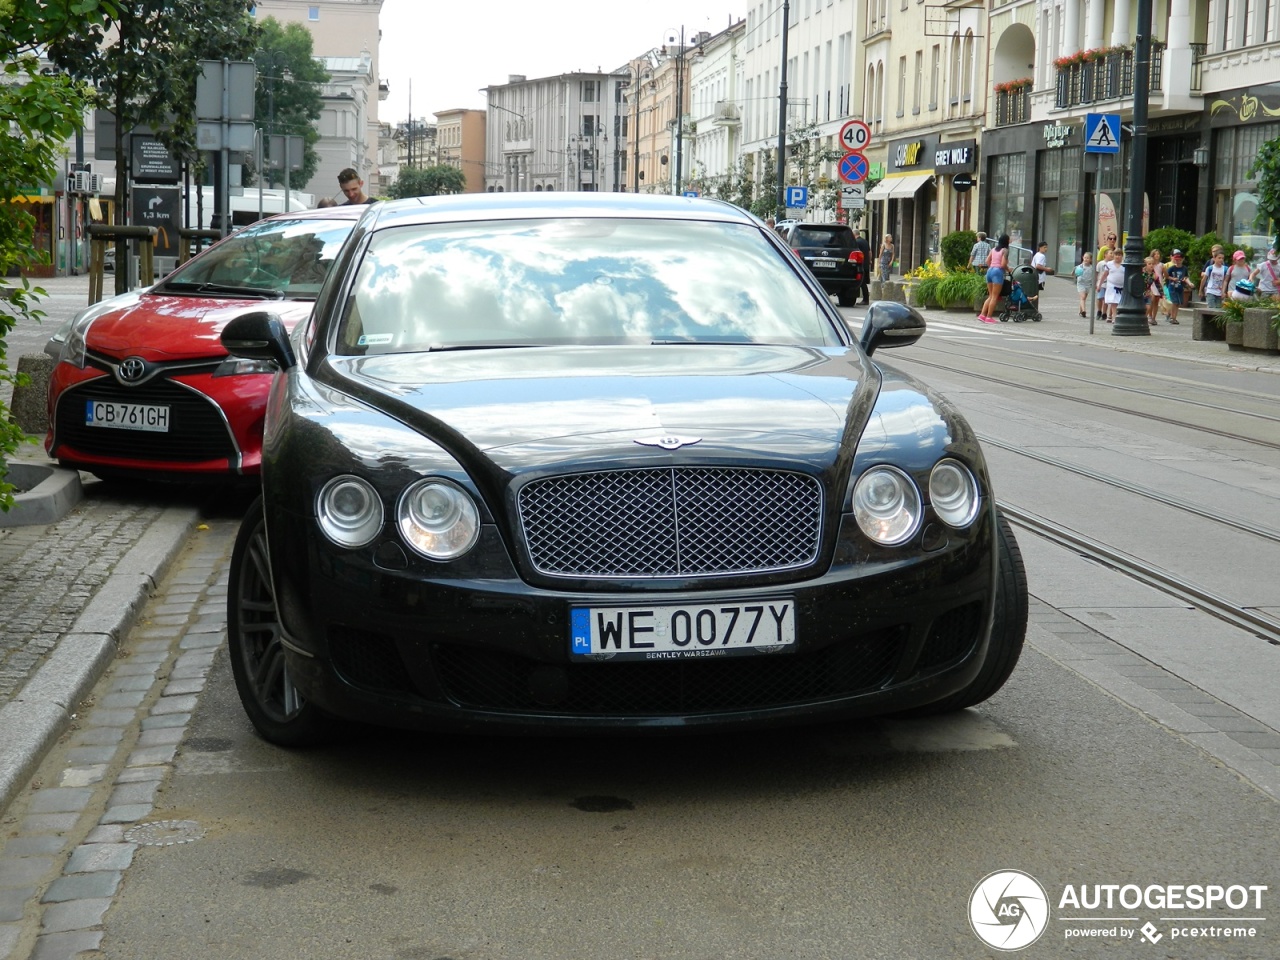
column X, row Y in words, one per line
column 672, row 522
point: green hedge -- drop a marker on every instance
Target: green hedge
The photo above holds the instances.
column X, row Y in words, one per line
column 956, row 247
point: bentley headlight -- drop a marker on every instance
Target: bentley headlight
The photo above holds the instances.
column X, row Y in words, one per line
column 349, row 511
column 438, row 519
column 886, row 505
column 954, row 493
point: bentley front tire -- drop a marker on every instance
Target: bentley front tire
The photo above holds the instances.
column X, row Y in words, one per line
column 275, row 707
column 1008, row 631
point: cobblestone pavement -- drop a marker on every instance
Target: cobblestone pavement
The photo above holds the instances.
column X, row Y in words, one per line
column 46, row 589
column 65, row 844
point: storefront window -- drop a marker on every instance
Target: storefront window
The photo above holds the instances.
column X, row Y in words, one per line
column 1236, row 207
column 1058, row 220
column 1008, row 193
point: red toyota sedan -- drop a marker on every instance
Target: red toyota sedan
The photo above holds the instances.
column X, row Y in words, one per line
column 143, row 386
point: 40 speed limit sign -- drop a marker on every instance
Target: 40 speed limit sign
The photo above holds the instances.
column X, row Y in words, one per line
column 855, row 136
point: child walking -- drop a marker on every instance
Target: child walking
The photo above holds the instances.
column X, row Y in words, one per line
column 1086, row 278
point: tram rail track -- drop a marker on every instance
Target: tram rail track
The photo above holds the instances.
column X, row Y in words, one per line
column 1224, row 519
column 1259, row 624
column 1118, row 408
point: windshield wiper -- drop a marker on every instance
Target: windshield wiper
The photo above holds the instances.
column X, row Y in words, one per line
column 180, row 286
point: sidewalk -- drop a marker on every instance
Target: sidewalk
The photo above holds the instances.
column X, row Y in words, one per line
column 1059, row 305
column 73, row 588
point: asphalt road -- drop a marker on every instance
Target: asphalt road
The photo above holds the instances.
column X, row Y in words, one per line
column 857, row 840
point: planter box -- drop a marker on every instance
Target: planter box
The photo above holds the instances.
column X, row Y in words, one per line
column 1257, row 332
column 894, row 290
column 1234, row 335
column 1203, row 326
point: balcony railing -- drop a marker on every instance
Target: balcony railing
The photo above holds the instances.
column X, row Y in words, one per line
column 1110, row 78
column 1013, row 106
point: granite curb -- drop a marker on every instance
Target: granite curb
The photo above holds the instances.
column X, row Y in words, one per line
column 42, row 709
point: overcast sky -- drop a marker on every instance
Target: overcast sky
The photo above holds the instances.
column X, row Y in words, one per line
column 451, row 49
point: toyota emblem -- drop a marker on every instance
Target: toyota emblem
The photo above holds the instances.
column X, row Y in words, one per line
column 132, row 369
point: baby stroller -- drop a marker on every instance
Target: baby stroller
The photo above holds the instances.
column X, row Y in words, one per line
column 1020, row 298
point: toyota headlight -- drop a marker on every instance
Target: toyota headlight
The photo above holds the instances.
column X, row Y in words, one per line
column 349, row 511
column 954, row 493
column 886, row 505
column 239, row 366
column 438, row 519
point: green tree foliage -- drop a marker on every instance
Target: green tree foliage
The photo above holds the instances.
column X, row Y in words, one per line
column 427, row 182
column 956, row 247
column 1169, row 239
column 287, row 99
column 41, row 111
column 1266, row 167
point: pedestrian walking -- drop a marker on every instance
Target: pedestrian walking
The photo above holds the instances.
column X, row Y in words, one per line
column 863, row 247
column 886, row 256
column 1266, row 277
column 353, row 188
column 1213, row 282
column 1040, row 263
column 1239, row 287
column 997, row 262
column 1112, row 282
column 1177, row 284
column 1086, row 277
column 1152, row 293
column 979, row 252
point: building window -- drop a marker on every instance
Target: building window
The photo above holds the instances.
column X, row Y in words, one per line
column 1006, row 193
column 902, row 86
column 935, row 70
column 590, row 90
column 1236, row 213
column 918, row 90
column 313, row 13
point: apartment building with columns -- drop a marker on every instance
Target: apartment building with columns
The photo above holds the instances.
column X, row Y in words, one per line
column 1214, row 98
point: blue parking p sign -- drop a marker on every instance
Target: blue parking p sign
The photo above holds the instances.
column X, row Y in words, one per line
column 797, row 196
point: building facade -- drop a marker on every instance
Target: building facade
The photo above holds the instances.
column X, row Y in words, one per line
column 565, row 132
column 460, row 144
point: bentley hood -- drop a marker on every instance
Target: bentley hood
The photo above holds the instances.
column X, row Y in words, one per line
column 539, row 405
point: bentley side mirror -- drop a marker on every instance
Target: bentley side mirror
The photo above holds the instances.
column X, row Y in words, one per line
column 259, row 336
column 890, row 324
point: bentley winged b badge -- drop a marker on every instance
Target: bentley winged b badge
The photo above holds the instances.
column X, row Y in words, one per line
column 667, row 443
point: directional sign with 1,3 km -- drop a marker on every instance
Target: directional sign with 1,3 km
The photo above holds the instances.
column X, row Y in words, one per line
column 853, row 168
column 855, row 136
column 1102, row 133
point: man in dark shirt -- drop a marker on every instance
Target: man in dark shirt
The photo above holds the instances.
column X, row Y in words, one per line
column 860, row 244
column 353, row 187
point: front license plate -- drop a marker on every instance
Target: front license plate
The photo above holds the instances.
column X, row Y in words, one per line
column 682, row 632
column 126, row 416
column 826, row 264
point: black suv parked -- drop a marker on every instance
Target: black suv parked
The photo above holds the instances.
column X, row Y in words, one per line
column 828, row 251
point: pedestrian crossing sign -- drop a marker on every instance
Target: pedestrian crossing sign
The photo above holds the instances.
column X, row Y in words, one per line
column 1102, row 133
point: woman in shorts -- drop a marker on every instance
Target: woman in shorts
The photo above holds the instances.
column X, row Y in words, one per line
column 996, row 264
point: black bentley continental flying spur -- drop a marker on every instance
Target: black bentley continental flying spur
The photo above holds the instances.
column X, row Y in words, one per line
column 547, row 462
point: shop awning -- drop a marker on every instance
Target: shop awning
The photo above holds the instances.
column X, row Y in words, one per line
column 881, row 191
column 904, row 188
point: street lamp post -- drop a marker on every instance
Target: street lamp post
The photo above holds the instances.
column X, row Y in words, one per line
column 1131, row 315
column 782, row 117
